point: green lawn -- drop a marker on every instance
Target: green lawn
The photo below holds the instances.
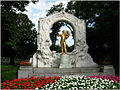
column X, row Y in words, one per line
column 9, row 72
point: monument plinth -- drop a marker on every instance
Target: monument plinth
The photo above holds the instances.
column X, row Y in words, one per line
column 65, row 61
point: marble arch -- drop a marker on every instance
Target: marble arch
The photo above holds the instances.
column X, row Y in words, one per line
column 67, row 23
column 79, row 57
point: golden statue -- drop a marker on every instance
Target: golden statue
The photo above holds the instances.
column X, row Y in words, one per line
column 63, row 36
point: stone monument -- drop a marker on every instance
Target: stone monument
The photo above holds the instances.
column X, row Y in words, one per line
column 79, row 57
column 49, row 63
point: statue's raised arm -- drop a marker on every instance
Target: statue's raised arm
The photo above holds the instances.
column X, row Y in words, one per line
column 67, row 35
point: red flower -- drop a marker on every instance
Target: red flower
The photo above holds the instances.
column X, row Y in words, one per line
column 7, row 81
column 24, row 87
column 15, row 79
column 14, row 83
column 51, row 81
column 35, row 85
column 32, row 76
column 39, row 85
column 106, row 62
column 19, row 84
column 25, row 63
column 30, row 88
column 14, row 87
column 8, row 87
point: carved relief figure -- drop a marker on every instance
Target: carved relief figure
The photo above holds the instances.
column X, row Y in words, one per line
column 63, row 36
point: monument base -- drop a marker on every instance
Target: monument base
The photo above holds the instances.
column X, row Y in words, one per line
column 46, row 71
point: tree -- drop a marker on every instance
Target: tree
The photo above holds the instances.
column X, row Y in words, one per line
column 18, row 32
column 55, row 8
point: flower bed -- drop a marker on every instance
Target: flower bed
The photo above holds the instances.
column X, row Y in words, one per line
column 83, row 82
column 64, row 82
column 28, row 83
column 25, row 63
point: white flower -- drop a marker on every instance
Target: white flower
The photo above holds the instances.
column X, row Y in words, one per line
column 100, row 78
column 103, row 82
column 67, row 84
column 91, row 87
column 97, row 83
column 88, row 77
column 92, row 82
column 114, row 86
column 95, row 89
column 83, row 84
column 79, row 84
column 76, row 88
column 36, row 88
column 59, row 87
column 88, row 87
column 80, row 87
column 88, row 81
column 74, row 83
column 50, row 87
column 63, row 86
column 55, row 89
column 93, row 79
column 102, row 86
column 66, row 80
column 106, row 80
column 112, row 81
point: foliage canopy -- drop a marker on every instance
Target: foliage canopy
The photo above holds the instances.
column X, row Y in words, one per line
column 17, row 31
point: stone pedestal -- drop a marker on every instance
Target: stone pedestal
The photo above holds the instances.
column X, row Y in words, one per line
column 109, row 69
column 24, row 71
column 65, row 61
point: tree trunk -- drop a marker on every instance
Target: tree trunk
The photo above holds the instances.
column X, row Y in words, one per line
column 12, row 58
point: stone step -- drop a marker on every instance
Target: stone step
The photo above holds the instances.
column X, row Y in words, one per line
column 80, row 74
column 64, row 70
column 45, row 71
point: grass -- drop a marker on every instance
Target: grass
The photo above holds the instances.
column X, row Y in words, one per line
column 9, row 72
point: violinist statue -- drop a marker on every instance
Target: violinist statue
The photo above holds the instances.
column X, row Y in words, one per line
column 63, row 36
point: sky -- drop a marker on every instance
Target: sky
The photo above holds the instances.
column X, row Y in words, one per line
column 39, row 10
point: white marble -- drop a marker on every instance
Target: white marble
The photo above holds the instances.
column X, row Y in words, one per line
column 44, row 57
